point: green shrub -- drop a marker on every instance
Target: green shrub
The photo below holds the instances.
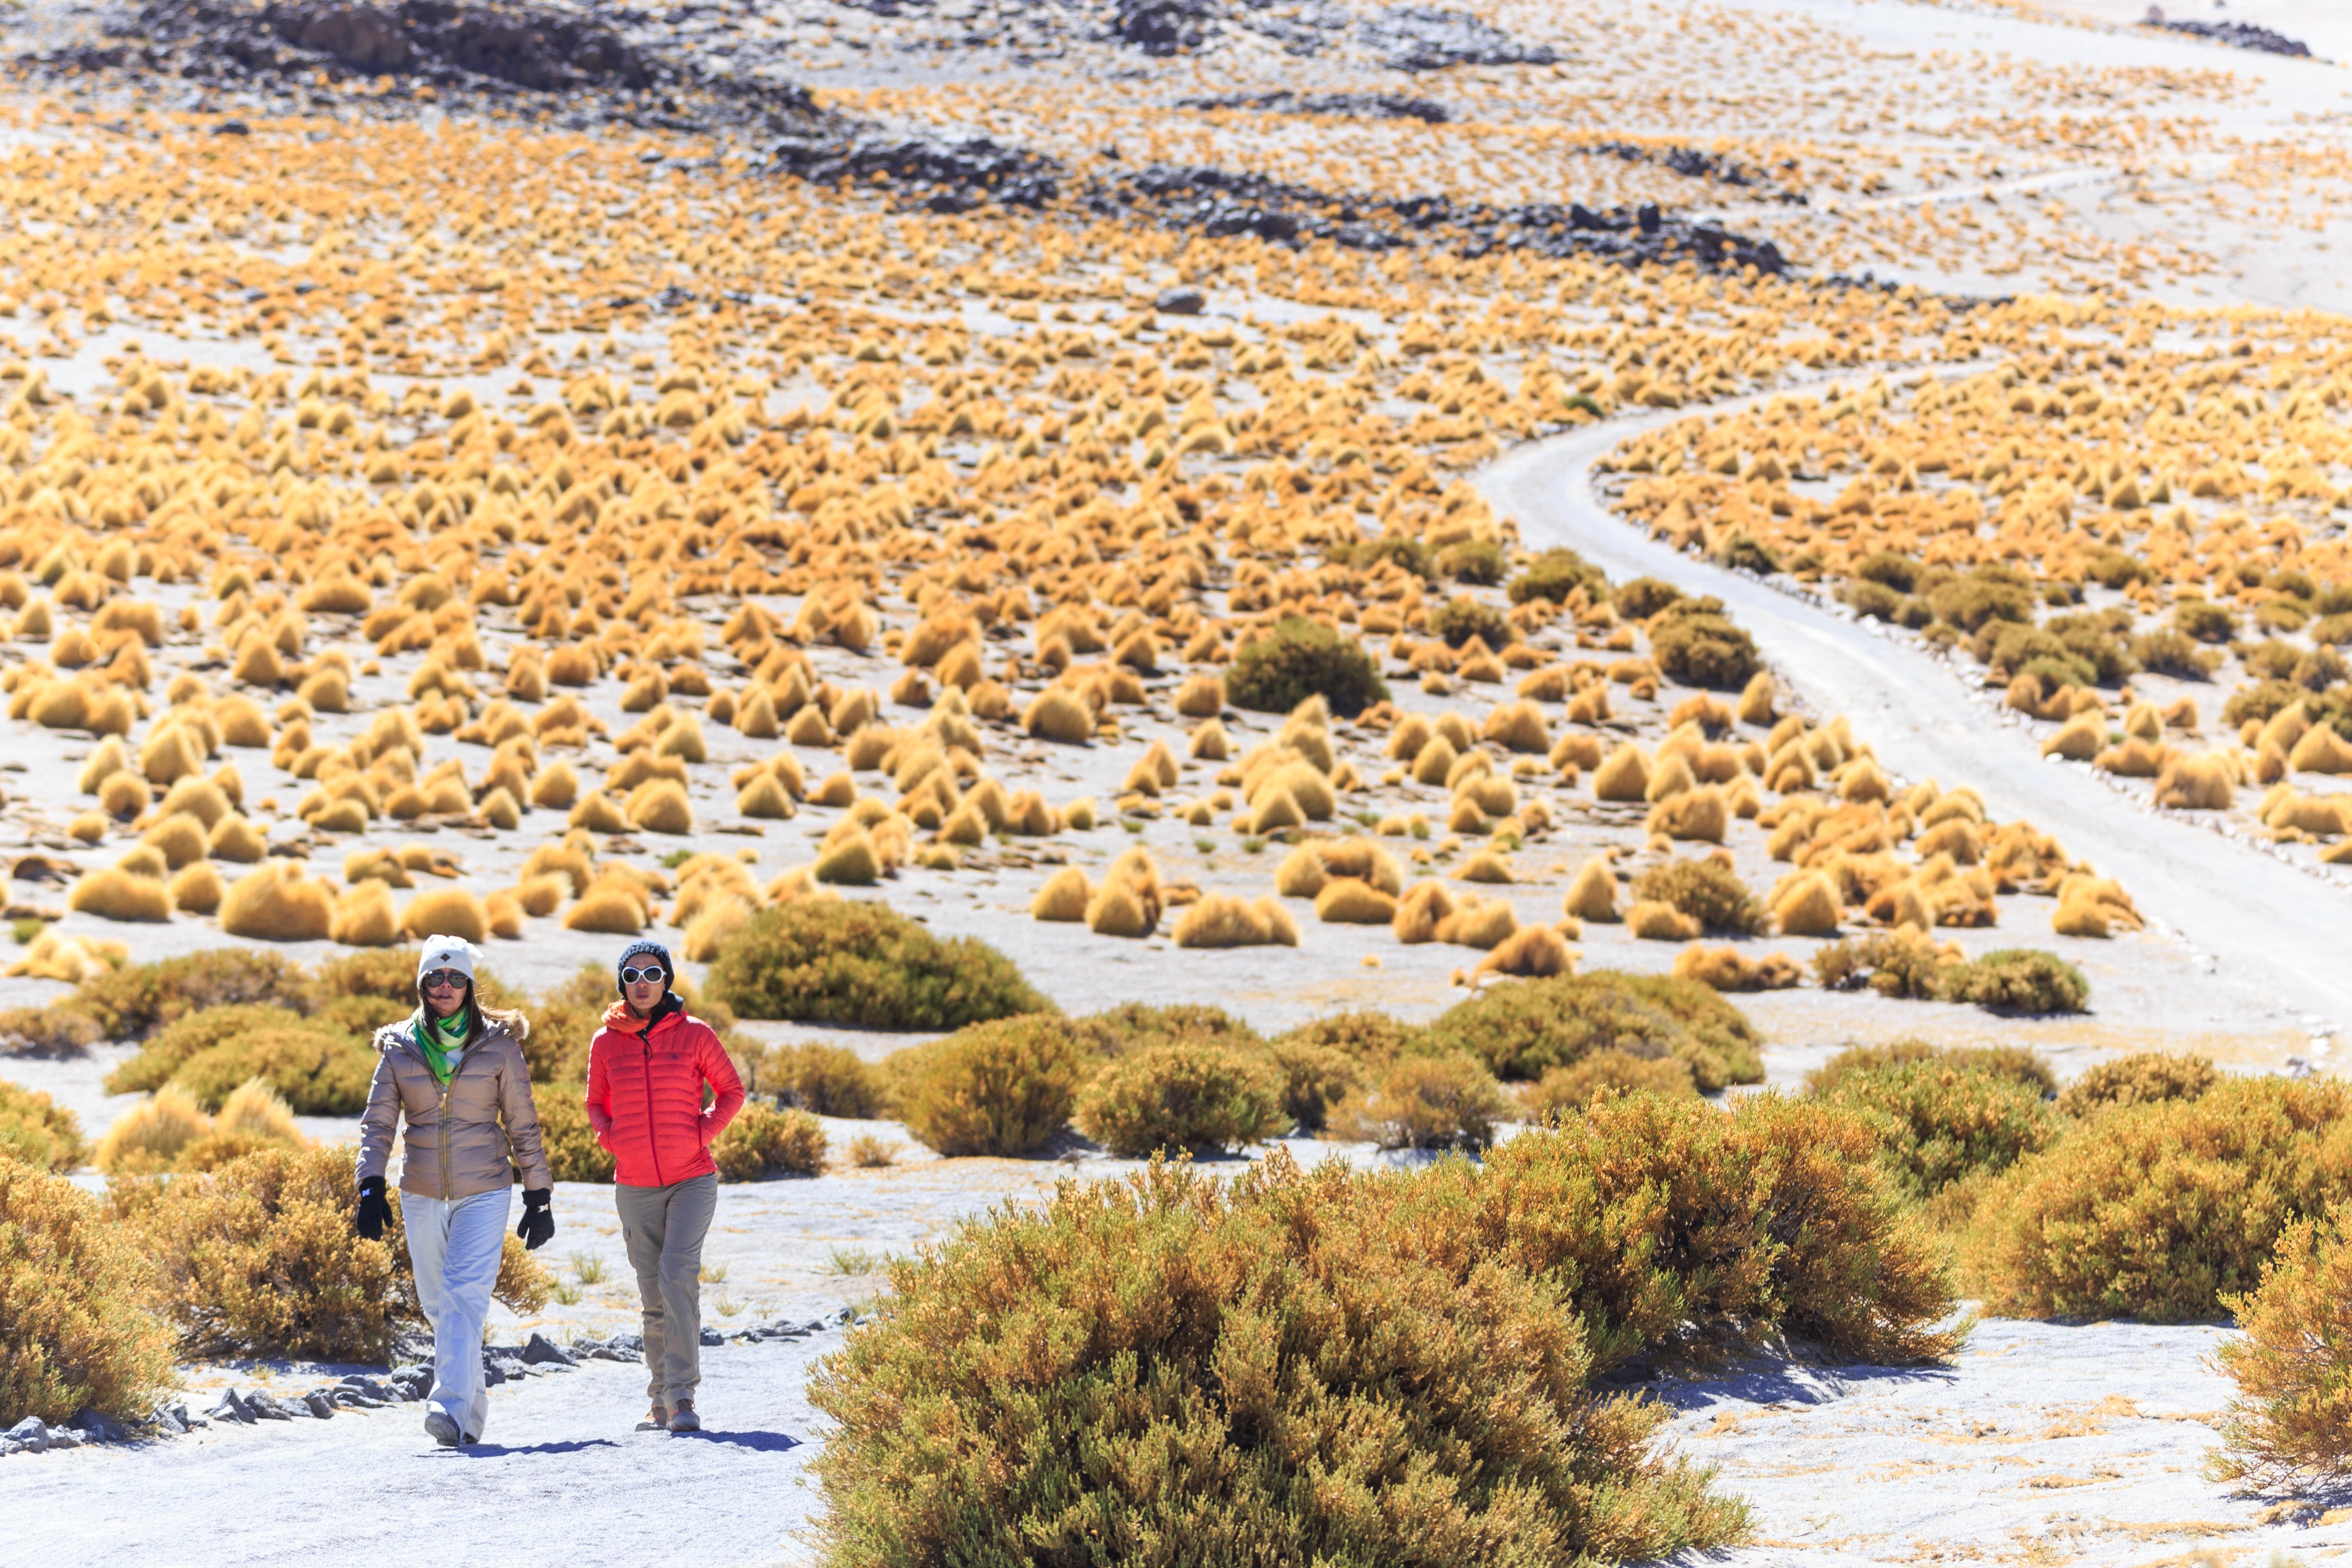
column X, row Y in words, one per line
column 1099, row 1381
column 1681, row 1232
column 1424, row 1102
column 850, row 961
column 573, row 1152
column 133, row 1002
column 830, row 1081
column 1522, row 1029
column 2165, row 652
column 1001, row 1088
column 1696, row 645
column 360, row 1016
column 1986, row 593
column 1363, row 1036
column 318, row 1074
column 1873, row 601
column 762, row 1141
column 1643, row 597
column 2018, row 980
column 56, row 1030
column 1461, row 619
column 2168, row 1208
column 2204, row 620
column 1944, row 1121
column 258, row 1258
column 75, row 1331
column 1557, row 575
column 1302, row 658
column 1399, row 549
column 1707, row 890
column 1901, row 964
column 2118, row 569
column 2017, row 1064
column 1137, row 1025
column 1189, row 1095
column 1562, row 1091
column 1313, row 1078
column 1890, row 569
column 167, row 1050
column 2262, row 700
column 2292, row 1361
column 1479, row 562
column 2138, row 1080
column 1742, row 552
column 39, row 1131
column 563, row 1019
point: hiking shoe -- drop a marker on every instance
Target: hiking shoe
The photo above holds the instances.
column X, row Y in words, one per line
column 682, row 1419
column 656, row 1420
column 442, row 1428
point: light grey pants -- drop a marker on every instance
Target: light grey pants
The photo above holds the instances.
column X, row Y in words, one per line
column 664, row 1228
column 454, row 1246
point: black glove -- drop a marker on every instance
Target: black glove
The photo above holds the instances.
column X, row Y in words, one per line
column 538, row 1226
column 374, row 1213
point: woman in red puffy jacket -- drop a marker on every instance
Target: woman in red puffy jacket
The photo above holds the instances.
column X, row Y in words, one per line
column 647, row 1069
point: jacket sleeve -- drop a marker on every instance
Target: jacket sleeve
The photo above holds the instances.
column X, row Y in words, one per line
column 520, row 1113
column 712, row 1056
column 600, row 1090
column 380, row 1120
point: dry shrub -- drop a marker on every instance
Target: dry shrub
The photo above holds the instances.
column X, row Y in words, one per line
column 1135, row 1026
column 1300, row 659
column 2018, row 1064
column 1434, row 1397
column 1221, row 919
column 2292, row 1361
column 116, row 894
column 1194, row 1094
column 2136, row 1080
column 1899, row 963
column 2168, row 1208
column 1684, row 1232
column 1520, row 1031
column 445, row 911
column 254, row 1109
column 277, row 903
column 319, row 1072
column 1592, row 896
column 762, row 1143
column 848, row 961
column 868, row 1152
column 831, row 1080
column 1562, row 1091
column 1000, row 1088
column 56, row 1030
column 38, row 1130
column 1727, row 969
column 1943, row 1120
column 1647, row 920
column 1315, row 1077
column 2018, row 980
column 1709, row 891
column 133, row 1002
column 75, row 1333
column 1063, row 896
column 1424, row 1102
column 573, row 1152
column 150, row 1137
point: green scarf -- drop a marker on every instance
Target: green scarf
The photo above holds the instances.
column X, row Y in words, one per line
column 442, row 1041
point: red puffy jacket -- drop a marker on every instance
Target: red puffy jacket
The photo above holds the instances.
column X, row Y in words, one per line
column 645, row 1094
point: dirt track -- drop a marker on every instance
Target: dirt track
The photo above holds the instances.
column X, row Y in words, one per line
column 2278, row 930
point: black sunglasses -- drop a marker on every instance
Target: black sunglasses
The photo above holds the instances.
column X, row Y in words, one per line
column 636, row 976
column 444, row 980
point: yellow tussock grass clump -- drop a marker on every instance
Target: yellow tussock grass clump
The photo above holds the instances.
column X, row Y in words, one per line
column 765, row 797
column 1348, row 901
column 1593, row 893
column 853, row 859
column 254, row 1109
column 1671, row 775
column 53, row 955
column 1221, row 919
column 1698, row 815
column 277, row 903
column 1517, row 727
column 1064, row 897
column 147, row 1138
column 2079, row 738
column 1623, row 775
column 1059, row 714
column 1419, row 911
column 1532, row 953
column 1483, row 923
column 1726, row 969
column 1434, row 764
column 606, row 909
column 1575, row 751
column 1652, row 921
column 598, row 813
column 837, row 790
column 505, row 914
column 1201, row 696
column 2092, row 906
column 709, row 931
column 1275, row 809
column 179, row 837
column 1301, row 874
column 556, row 787
column 234, row 837
column 116, row 894
column 542, row 895
column 1811, row 907
column 659, row 805
column 1209, row 741
column 1117, row 909
column 198, row 888
column 364, row 916
column 445, row 911
column 1757, row 701
column 2202, row 782
column 2321, row 750
column 1081, row 814
column 1485, row 866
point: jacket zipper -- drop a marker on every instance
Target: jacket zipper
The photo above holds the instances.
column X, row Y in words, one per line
column 653, row 1146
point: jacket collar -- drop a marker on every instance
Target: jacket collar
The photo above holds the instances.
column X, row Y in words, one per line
column 618, row 1016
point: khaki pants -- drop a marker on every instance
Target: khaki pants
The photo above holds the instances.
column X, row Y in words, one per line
column 664, row 1228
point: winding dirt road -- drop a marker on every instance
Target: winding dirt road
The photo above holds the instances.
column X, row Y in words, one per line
column 2264, row 922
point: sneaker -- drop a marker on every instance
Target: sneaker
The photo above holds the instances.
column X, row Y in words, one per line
column 682, row 1417
column 442, row 1428
column 656, row 1420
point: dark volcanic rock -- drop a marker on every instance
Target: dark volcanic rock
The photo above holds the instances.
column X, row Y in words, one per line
column 1423, row 38
column 362, row 36
column 1164, row 27
column 1356, row 105
column 961, row 174
column 1179, row 302
column 2244, row 35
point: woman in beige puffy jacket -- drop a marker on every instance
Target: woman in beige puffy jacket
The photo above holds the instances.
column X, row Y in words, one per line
column 454, row 1072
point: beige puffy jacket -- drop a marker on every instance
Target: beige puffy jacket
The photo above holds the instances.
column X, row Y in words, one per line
column 459, row 1135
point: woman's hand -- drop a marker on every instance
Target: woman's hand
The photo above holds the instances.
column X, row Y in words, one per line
column 538, row 1226
column 374, row 1213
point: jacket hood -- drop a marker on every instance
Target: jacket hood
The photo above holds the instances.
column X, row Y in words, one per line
column 619, row 1016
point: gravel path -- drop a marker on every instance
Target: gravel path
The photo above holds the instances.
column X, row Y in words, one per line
column 2275, row 928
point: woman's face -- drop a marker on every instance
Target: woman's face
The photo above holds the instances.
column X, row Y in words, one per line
column 445, row 991
column 642, row 983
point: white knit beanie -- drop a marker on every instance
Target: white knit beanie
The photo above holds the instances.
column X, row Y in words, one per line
column 446, row 953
